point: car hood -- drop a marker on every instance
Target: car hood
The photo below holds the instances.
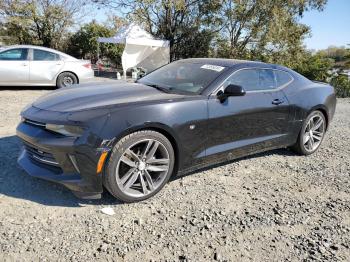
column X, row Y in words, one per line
column 95, row 95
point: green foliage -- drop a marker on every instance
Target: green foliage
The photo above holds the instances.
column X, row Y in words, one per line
column 347, row 64
column 15, row 22
column 84, row 43
column 39, row 22
column 339, row 54
column 341, row 84
column 263, row 30
column 319, row 67
column 315, row 67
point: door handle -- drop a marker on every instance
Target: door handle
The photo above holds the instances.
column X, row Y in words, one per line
column 24, row 64
column 277, row 102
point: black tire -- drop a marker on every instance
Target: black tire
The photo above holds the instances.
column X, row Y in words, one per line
column 66, row 79
column 111, row 176
column 299, row 147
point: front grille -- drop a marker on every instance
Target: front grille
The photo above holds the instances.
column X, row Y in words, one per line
column 34, row 123
column 40, row 156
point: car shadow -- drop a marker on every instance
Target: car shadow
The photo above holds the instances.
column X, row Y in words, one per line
column 15, row 183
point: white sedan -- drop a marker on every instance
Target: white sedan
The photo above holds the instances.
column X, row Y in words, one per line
column 26, row 65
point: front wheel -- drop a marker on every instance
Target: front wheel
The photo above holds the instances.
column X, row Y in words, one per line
column 139, row 166
column 311, row 134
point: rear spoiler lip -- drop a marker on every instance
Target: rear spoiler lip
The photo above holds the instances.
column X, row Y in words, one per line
column 319, row 82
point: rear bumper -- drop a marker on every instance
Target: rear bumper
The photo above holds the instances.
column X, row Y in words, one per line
column 60, row 159
column 86, row 76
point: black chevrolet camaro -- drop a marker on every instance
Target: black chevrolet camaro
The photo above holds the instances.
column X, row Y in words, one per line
column 130, row 138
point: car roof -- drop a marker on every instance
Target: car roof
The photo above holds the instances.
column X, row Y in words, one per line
column 40, row 48
column 231, row 62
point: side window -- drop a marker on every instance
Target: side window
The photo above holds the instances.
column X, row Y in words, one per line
column 40, row 55
column 19, row 54
column 267, row 79
column 282, row 78
column 247, row 78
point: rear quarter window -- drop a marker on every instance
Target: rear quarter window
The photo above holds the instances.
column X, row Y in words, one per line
column 282, row 78
column 41, row 55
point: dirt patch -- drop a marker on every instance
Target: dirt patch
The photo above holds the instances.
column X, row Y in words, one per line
column 275, row 206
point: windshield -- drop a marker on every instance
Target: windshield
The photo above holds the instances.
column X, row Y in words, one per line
column 183, row 77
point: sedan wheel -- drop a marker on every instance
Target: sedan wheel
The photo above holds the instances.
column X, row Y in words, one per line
column 312, row 134
column 66, row 79
column 140, row 165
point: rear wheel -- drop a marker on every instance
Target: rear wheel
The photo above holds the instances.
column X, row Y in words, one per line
column 311, row 134
column 66, row 79
column 139, row 166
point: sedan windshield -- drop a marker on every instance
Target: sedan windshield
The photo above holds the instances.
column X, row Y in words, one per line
column 183, row 77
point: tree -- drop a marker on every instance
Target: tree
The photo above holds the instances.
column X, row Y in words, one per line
column 84, row 44
column 42, row 22
column 267, row 30
column 189, row 25
column 264, row 29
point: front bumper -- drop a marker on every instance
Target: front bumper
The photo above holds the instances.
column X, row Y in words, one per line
column 65, row 160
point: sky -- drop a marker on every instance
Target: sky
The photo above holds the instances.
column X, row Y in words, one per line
column 331, row 27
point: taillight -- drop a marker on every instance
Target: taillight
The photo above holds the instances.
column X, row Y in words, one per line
column 87, row 66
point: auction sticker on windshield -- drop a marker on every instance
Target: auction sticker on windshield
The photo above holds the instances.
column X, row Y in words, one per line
column 213, row 67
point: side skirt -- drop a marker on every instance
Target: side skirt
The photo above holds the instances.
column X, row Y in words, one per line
column 212, row 161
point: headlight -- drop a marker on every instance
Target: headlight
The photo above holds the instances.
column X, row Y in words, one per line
column 65, row 129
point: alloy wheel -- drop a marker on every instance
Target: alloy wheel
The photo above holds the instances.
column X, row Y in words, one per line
column 142, row 168
column 314, row 133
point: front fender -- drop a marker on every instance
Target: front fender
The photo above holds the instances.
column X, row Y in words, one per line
column 183, row 122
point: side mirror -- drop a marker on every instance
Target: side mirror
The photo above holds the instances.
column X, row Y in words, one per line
column 231, row 90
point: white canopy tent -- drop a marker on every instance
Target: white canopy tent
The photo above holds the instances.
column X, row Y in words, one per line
column 141, row 48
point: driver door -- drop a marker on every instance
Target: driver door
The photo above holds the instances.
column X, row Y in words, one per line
column 248, row 123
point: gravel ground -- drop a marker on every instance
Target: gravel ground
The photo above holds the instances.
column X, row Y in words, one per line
column 275, row 206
